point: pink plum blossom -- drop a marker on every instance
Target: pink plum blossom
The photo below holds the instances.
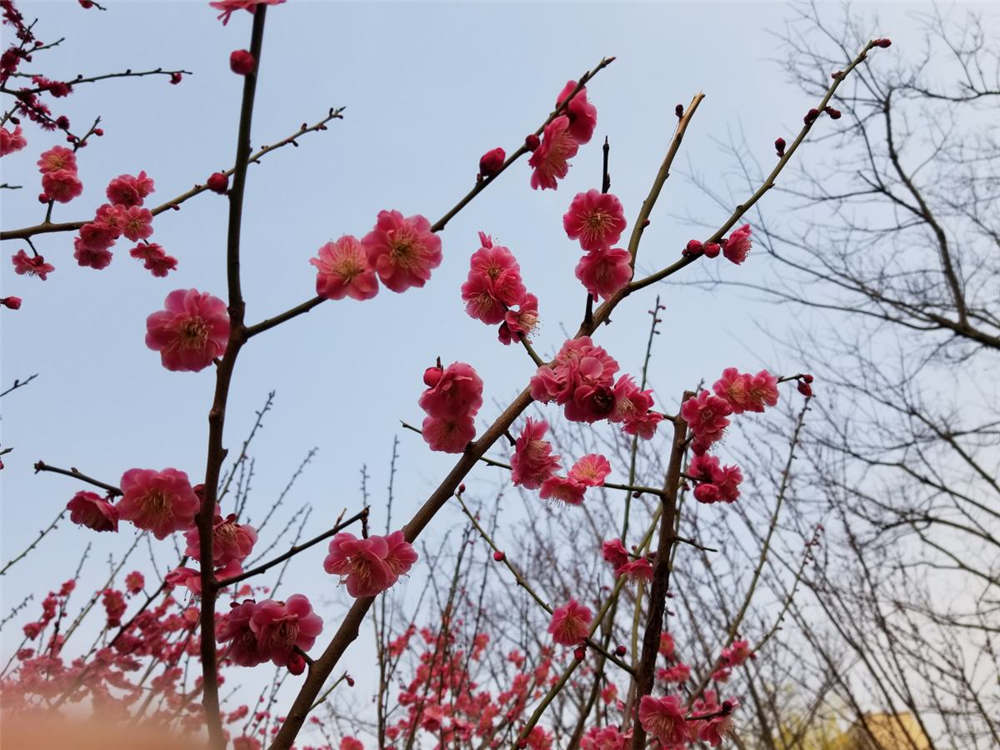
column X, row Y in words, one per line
column 61, row 185
column 582, row 114
column 518, row 324
column 737, row 245
column 596, row 218
column 532, row 462
column 231, row 541
column 570, row 624
column 605, row 272
column 402, row 251
column 161, row 502
column 55, row 159
column 494, row 284
column 91, row 510
column 570, row 491
column 127, row 190
column 343, row 270
column 32, row 266
column 664, row 718
column 591, row 470
column 11, row 140
column 361, row 563
column 282, row 627
column 550, row 160
column 191, row 332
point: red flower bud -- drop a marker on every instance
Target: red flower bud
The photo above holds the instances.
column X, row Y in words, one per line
column 693, row 247
column 98, row 132
column 532, row 142
column 432, row 375
column 679, row 111
column 241, row 62
column 62, row 122
column 499, row 556
column 834, row 113
column 175, row 78
column 779, row 146
column 808, row 378
column 350, row 680
column 217, row 182
column 14, row 303
column 580, row 652
column 883, row 42
column 491, row 162
column 805, row 389
column 296, row 664
column 811, row 116
column 620, row 650
column 711, row 249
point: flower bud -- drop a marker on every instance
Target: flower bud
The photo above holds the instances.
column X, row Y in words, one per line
column 531, row 142
column 779, row 146
column 175, row 78
column 711, row 249
column 620, row 650
column 491, row 162
column 241, row 62
column 693, row 247
column 499, row 556
column 217, row 182
column 14, row 303
column 431, row 376
column 805, row 389
column 296, row 664
column 811, row 116
column 883, row 42
column 679, row 111
column 834, row 113
column 579, row 653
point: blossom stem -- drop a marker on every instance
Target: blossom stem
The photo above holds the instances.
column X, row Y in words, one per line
column 296, row 549
column 661, row 573
column 223, row 378
column 47, row 227
column 76, row 474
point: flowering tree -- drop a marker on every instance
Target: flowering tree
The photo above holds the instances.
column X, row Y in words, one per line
column 195, row 330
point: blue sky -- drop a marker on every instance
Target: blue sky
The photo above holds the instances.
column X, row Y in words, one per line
column 428, row 88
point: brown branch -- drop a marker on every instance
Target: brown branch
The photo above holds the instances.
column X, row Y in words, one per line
column 295, row 549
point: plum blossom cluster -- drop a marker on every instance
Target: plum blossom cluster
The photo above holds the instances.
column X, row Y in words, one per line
column 451, row 401
column 494, row 292
column 561, row 138
column 598, row 220
column 123, row 215
column 446, row 697
column 581, row 378
column 668, row 720
column 160, row 502
column 60, row 180
column 232, row 543
column 400, row 251
column 153, row 641
column 625, row 564
column 371, row 565
column 707, row 415
column 533, row 466
column 276, row 631
column 736, row 247
column 732, row 656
